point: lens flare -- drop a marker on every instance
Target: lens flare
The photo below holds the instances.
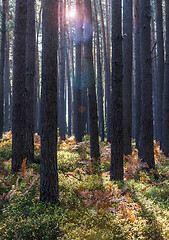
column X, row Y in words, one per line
column 71, row 14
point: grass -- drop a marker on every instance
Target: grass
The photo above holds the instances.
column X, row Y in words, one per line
column 90, row 206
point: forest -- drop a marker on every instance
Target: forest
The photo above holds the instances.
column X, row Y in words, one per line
column 84, row 119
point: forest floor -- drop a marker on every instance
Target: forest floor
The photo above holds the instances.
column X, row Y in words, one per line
column 90, row 205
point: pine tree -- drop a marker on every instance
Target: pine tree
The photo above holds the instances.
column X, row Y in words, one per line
column 49, row 190
column 116, row 169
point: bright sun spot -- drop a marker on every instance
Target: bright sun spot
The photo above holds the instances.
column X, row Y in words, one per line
column 71, row 13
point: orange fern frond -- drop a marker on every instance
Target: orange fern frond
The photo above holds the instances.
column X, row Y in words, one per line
column 22, row 170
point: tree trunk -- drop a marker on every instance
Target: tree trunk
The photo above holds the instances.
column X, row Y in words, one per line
column 7, row 86
column 166, row 89
column 30, row 76
column 78, row 77
column 154, row 75
column 127, row 74
column 90, row 78
column 137, row 73
column 160, row 65
column 116, row 169
column 99, row 80
column 69, row 93
column 147, row 151
column 2, row 60
column 18, row 104
column 49, row 189
column 36, row 81
column 62, row 117
column 107, row 75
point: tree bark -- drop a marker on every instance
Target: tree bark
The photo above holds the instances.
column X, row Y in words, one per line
column 69, row 92
column 99, row 79
column 36, row 81
column 49, row 189
column 7, row 86
column 78, row 113
column 166, row 89
column 90, row 78
column 160, row 65
column 127, row 74
column 107, row 75
column 147, row 151
column 116, row 169
column 62, row 117
column 18, row 104
column 30, row 76
column 2, row 61
column 137, row 72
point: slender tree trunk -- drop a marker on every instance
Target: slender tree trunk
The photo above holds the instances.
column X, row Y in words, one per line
column 18, row 104
column 147, row 151
column 30, row 76
column 62, row 121
column 78, row 78
column 166, row 89
column 107, row 75
column 154, row 75
column 73, row 76
column 2, row 61
column 69, row 93
column 49, row 189
column 99, row 79
column 36, row 81
column 137, row 73
column 127, row 74
column 90, row 77
column 6, row 76
column 116, row 169
column 160, row 64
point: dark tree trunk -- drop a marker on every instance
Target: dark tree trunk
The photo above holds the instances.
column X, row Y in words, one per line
column 49, row 190
column 62, row 117
column 127, row 74
column 154, row 75
column 116, row 169
column 78, row 77
column 7, row 86
column 2, row 60
column 18, row 104
column 107, row 75
column 160, row 65
column 137, row 73
column 29, row 83
column 99, row 80
column 166, row 89
column 69, row 93
column 90, row 78
column 73, row 76
column 36, row 81
column 147, row 151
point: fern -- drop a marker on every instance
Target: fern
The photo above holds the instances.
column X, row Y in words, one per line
column 22, row 170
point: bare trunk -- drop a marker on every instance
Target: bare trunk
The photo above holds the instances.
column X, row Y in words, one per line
column 18, row 104
column 166, row 89
column 90, row 77
column 30, row 76
column 49, row 189
column 116, row 169
column 147, row 151
column 2, row 61
column 127, row 74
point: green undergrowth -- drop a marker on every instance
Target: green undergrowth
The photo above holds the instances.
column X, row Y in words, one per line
column 90, row 206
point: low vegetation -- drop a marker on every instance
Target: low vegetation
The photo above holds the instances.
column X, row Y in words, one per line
column 90, row 207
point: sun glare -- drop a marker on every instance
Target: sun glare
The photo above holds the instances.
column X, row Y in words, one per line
column 71, row 13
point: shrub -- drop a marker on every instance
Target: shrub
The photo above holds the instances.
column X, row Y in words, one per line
column 26, row 219
column 67, row 161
